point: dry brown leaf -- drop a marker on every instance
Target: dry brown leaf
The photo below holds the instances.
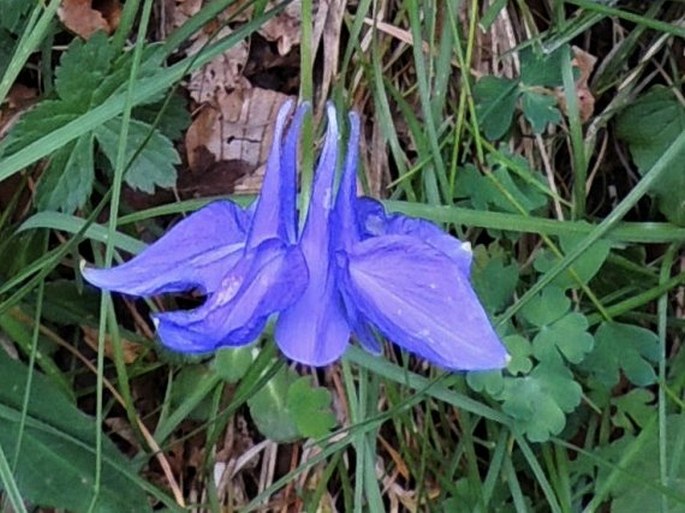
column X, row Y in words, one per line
column 239, row 129
column 83, row 19
column 585, row 62
column 131, row 350
column 284, row 29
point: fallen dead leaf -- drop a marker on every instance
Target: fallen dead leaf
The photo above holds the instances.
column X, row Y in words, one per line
column 131, row 350
column 585, row 62
column 82, row 18
column 240, row 129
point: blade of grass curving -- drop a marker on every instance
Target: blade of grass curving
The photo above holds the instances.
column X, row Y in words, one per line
column 125, row 27
column 31, row 366
column 514, row 486
column 9, row 485
column 669, row 157
column 72, row 224
column 579, row 159
column 539, row 474
column 606, row 10
column 655, row 233
column 106, row 307
column 662, row 312
column 32, row 35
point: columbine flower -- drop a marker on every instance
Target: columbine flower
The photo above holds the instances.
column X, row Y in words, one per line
column 353, row 268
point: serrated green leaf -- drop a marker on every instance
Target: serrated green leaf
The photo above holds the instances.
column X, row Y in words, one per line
column 310, row 408
column 495, row 104
column 82, row 69
column 567, row 336
column 538, row 402
column 471, row 184
column 623, row 347
column 57, row 460
column 45, row 117
column 545, row 308
column 153, row 166
column 269, row 408
column 231, row 364
column 538, row 69
column 540, row 110
column 174, row 120
column 494, row 281
column 649, row 126
column 585, row 267
column 68, row 180
column 520, row 350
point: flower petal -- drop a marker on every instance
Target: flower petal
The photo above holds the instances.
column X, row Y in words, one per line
column 344, row 220
column 196, row 253
column 314, row 330
column 266, row 280
column 274, row 211
column 421, row 300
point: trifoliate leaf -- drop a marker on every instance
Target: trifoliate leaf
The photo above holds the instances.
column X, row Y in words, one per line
column 310, row 408
column 269, row 408
column 523, row 193
column 231, row 364
column 153, row 166
column 520, row 350
column 634, row 409
column 538, row 403
column 623, row 347
column 491, row 382
column 82, row 69
column 538, row 69
column 494, row 281
column 566, row 336
column 68, row 179
column 585, row 266
column 540, row 110
column 546, row 307
column 649, row 126
column 472, row 185
column 495, row 104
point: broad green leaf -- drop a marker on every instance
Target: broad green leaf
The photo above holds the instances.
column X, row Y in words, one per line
column 540, row 110
column 310, row 408
column 634, row 409
column 269, row 408
column 491, row 382
column 538, row 403
column 64, row 303
column 82, row 69
column 56, row 465
column 494, row 280
column 471, row 185
column 585, row 266
column 12, row 13
column 495, row 104
column 623, row 347
column 153, row 166
column 545, row 308
column 649, row 126
column 520, row 350
column 189, row 380
column 68, row 180
column 231, row 364
column 523, row 193
column 567, row 336
column 538, row 69
column 638, row 458
column 7, row 43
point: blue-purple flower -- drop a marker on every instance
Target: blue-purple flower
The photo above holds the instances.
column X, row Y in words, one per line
column 351, row 269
